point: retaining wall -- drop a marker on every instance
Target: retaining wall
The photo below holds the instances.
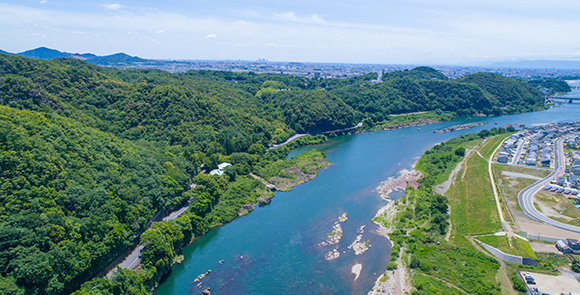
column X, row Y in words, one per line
column 507, row 257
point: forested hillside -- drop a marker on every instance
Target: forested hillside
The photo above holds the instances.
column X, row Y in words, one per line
column 74, row 197
column 88, row 155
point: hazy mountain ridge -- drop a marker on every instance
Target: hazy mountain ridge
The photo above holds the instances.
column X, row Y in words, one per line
column 48, row 53
column 534, row 64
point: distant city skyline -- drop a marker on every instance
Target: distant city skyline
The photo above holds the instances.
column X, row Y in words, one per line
column 378, row 32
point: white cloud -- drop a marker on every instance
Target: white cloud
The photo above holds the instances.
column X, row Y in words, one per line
column 43, row 1
column 291, row 16
column 113, row 6
column 442, row 34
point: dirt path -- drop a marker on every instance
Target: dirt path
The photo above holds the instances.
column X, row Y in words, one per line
column 444, row 187
column 482, row 157
column 446, row 283
column 504, row 281
column 265, row 182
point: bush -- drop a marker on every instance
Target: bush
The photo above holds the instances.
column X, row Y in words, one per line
column 519, row 285
column 575, row 267
column 415, row 262
column 392, row 266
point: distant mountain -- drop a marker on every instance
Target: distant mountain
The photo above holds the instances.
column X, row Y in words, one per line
column 5, row 52
column 113, row 59
column 539, row 64
column 44, row 53
column 84, row 56
column 117, row 58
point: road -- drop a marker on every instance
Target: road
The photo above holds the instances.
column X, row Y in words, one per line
column 518, row 152
column 130, row 261
column 526, row 196
column 135, row 257
column 493, row 184
column 296, row 136
column 289, row 140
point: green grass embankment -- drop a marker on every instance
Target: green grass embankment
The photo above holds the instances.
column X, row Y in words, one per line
column 514, row 245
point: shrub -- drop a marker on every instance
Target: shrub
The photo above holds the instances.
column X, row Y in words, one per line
column 575, row 266
column 519, row 285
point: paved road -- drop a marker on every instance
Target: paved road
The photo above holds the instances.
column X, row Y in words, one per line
column 296, row 136
column 130, row 261
column 489, row 162
column 526, row 196
column 134, row 258
column 518, row 152
column 289, row 140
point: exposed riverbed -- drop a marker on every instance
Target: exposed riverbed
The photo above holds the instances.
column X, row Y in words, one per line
column 277, row 248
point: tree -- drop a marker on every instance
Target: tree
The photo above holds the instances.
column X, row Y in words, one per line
column 8, row 286
column 158, row 251
column 257, row 149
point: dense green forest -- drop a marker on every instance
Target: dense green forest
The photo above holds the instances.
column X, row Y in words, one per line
column 553, row 86
column 89, row 155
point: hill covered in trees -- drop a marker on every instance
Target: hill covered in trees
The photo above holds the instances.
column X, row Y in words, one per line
column 89, row 155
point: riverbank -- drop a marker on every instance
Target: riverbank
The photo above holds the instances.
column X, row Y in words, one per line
column 459, row 127
column 405, row 178
column 393, row 282
column 417, row 123
column 418, row 227
column 286, row 174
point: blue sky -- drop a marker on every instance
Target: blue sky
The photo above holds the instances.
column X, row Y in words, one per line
column 364, row 31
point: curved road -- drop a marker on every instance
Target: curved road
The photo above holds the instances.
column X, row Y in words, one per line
column 526, row 196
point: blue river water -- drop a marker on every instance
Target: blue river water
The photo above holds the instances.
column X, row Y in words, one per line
column 275, row 249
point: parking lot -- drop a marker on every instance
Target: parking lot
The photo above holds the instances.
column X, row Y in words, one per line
column 565, row 283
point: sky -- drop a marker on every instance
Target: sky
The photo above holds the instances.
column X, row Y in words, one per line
column 346, row 31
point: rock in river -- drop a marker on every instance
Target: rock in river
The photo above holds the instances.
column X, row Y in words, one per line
column 264, row 201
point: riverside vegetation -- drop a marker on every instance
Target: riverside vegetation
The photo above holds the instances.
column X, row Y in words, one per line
column 444, row 260
column 439, row 266
column 90, row 155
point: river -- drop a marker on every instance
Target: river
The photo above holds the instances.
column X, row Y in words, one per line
column 275, row 249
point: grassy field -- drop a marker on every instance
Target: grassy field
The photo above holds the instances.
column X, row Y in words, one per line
column 466, row 268
column 430, row 285
column 558, row 207
column 492, row 143
column 473, row 207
